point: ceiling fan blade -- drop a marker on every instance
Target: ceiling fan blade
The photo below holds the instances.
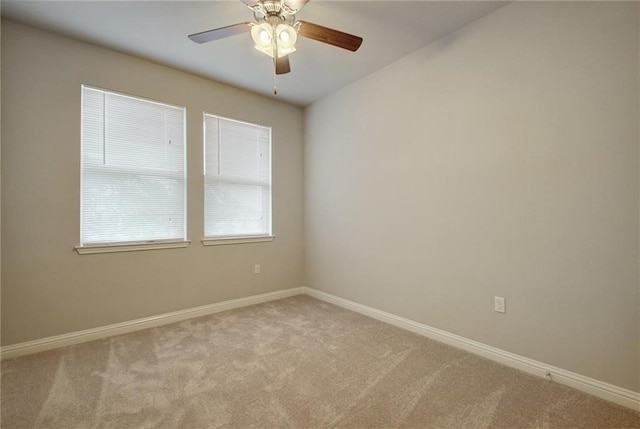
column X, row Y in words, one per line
column 220, row 33
column 330, row 36
column 282, row 65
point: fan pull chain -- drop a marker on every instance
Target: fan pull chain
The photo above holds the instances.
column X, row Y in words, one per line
column 275, row 60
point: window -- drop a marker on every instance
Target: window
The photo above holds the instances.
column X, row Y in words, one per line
column 237, row 171
column 133, row 170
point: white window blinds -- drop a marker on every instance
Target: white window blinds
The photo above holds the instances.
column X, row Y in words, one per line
column 237, row 170
column 133, row 169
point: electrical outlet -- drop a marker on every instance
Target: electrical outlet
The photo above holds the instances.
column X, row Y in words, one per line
column 499, row 304
column 256, row 269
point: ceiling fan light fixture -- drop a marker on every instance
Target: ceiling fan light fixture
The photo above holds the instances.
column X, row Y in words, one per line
column 263, row 37
column 287, row 37
column 275, row 31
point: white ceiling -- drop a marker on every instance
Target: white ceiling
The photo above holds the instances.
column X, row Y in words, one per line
column 157, row 30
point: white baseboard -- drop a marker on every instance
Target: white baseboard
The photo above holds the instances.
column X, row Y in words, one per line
column 49, row 343
column 609, row 392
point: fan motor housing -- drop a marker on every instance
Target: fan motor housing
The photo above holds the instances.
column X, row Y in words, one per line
column 277, row 8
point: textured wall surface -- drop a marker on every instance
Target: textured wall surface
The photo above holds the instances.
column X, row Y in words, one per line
column 500, row 160
column 47, row 288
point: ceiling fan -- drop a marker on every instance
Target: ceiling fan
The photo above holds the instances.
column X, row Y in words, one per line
column 275, row 31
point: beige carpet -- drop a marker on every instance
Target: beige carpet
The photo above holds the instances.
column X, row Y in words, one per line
column 294, row 363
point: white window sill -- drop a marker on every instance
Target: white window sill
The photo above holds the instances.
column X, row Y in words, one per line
column 236, row 240
column 130, row 247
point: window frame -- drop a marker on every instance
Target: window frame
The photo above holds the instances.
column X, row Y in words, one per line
column 239, row 238
column 137, row 245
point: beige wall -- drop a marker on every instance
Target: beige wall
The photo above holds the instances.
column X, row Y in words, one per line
column 501, row 160
column 47, row 288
